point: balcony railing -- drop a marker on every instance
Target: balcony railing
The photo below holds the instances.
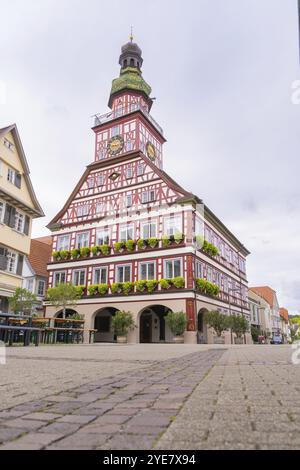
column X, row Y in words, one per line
column 119, row 112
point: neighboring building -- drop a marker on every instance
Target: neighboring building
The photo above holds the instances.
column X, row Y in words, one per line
column 285, row 324
column 270, row 319
column 35, row 275
column 18, row 206
column 124, row 196
column 255, row 307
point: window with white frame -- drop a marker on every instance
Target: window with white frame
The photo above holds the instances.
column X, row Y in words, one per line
column 173, row 225
column 129, row 172
column 102, row 237
column 148, row 196
column 115, row 130
column 100, row 275
column 11, row 175
column 19, row 221
column 11, row 257
column 82, row 239
column 225, row 284
column 59, row 277
column 63, row 242
column 100, row 180
column 128, row 200
column 101, row 154
column 9, row 144
column 172, row 268
column 91, row 182
column 100, row 208
column 199, row 269
column 148, row 229
column 140, row 169
column 123, row 273
column 129, row 146
column 217, row 278
column 29, row 285
column 82, row 210
column 147, row 271
column 209, row 274
column 126, row 232
column 41, row 288
column 2, row 211
column 78, row 277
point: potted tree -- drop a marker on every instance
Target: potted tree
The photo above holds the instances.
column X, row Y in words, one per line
column 122, row 323
column 177, row 323
column 219, row 322
column 239, row 325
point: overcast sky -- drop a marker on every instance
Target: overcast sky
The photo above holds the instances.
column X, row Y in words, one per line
column 222, row 72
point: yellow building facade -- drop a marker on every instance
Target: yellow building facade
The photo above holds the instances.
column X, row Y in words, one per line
column 18, row 206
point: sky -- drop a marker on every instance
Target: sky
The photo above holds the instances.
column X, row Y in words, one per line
column 222, row 72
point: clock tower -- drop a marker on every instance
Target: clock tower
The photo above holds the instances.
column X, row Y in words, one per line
column 129, row 127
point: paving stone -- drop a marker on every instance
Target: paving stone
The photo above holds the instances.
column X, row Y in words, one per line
column 40, row 416
column 112, row 419
column 77, row 419
column 7, row 434
column 128, row 442
column 38, row 439
column 60, row 428
column 96, row 428
column 79, row 441
column 27, row 424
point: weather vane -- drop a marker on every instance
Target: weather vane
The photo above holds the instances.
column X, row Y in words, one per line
column 131, row 35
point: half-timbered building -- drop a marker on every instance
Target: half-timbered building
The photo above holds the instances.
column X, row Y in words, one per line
column 133, row 239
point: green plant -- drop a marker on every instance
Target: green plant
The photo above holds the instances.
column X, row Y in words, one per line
column 238, row 324
column 255, row 333
column 93, row 289
column 119, row 246
column 210, row 249
column 199, row 241
column 85, row 251
column 102, row 289
column 116, row 287
column 95, row 250
column 178, row 237
column 65, row 254
column 165, row 283
column 76, row 316
column 22, row 301
column 152, row 242
column 80, row 290
column 130, row 244
column 151, row 286
column 207, row 287
column 63, row 295
column 75, row 252
column 122, row 323
column 218, row 321
column 140, row 285
column 127, row 287
column 165, row 241
column 105, row 249
column 56, row 255
column 141, row 243
column 178, row 282
column 177, row 322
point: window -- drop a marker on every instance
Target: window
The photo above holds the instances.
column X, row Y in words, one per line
column 148, row 196
column 129, row 200
column 140, row 169
column 41, row 288
column 199, row 227
column 102, row 237
column 129, row 145
column 148, row 229
column 19, row 221
column 209, row 274
column 172, row 225
column 63, row 242
column 29, row 285
column 2, row 210
column 115, row 130
column 59, row 278
column 147, row 271
column 133, row 106
column 126, row 233
column 100, row 275
column 14, row 177
column 129, row 172
column 172, row 268
column 124, row 273
column 82, row 210
column 82, row 239
column 100, row 208
column 100, row 180
column 225, row 284
column 79, row 277
column 101, row 154
column 9, row 144
column 91, row 182
column 199, row 269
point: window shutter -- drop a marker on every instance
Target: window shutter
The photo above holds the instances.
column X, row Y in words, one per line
column 3, row 259
column 26, row 225
column 12, row 218
column 18, row 180
column 20, row 265
column 8, row 209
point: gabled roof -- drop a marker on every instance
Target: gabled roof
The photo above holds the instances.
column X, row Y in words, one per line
column 284, row 313
column 39, row 256
column 38, row 211
column 266, row 293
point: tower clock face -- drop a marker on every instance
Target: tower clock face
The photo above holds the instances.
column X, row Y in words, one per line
column 115, row 145
column 150, row 151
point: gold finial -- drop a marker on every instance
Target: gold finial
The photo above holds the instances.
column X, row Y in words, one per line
column 131, row 35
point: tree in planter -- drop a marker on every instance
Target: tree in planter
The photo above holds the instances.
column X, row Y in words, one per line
column 255, row 333
column 218, row 321
column 239, row 325
column 177, row 322
column 122, row 323
column 22, row 301
column 63, row 295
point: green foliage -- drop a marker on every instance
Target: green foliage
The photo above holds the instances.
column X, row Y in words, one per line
column 207, row 287
column 255, row 333
column 140, row 285
column 178, row 282
column 178, row 237
column 119, row 246
column 165, row 283
column 63, row 295
column 103, row 289
column 116, row 287
column 122, row 323
column 127, row 287
column 93, row 289
column 153, row 241
column 75, row 253
column 105, row 249
column 199, row 241
column 95, row 250
column 166, row 242
column 238, row 324
column 142, row 244
column 151, row 286
column 76, row 316
column 85, row 251
column 56, row 255
column 177, row 322
column 218, row 321
column 65, row 254
column 130, row 245
column 210, row 249
column 80, row 290
column 22, row 301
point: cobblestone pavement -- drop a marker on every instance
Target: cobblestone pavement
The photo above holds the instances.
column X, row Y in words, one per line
column 155, row 396
column 126, row 411
column 249, row 400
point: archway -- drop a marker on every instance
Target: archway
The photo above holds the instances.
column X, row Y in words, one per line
column 102, row 323
column 69, row 313
column 201, row 326
column 153, row 328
